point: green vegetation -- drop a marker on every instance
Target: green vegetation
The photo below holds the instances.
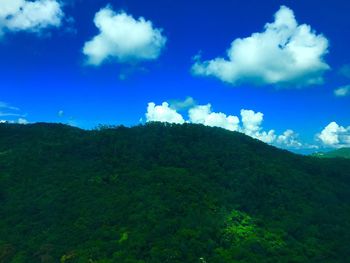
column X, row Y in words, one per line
column 166, row 193
column 339, row 153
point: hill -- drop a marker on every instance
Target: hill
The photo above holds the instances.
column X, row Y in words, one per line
column 166, row 193
column 338, row 153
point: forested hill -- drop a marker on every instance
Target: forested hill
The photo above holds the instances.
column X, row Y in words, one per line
column 338, row 153
column 164, row 193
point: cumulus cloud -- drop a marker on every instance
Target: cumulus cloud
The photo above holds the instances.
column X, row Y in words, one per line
column 123, row 38
column 202, row 114
column 163, row 113
column 334, row 135
column 285, row 53
column 342, row 91
column 250, row 124
column 31, row 16
column 290, row 139
column 251, row 121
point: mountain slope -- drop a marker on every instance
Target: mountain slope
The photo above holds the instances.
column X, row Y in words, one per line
column 166, row 193
column 338, row 153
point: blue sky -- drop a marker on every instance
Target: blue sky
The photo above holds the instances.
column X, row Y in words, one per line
column 57, row 65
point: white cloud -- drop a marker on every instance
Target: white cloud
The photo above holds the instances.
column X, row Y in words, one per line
column 251, row 121
column 163, row 113
column 123, row 38
column 32, row 16
column 60, row 113
column 202, row 114
column 334, row 135
column 252, row 126
column 290, row 139
column 18, row 121
column 22, row 121
column 342, row 91
column 11, row 114
column 285, row 53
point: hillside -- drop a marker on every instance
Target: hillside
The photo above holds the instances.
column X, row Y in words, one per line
column 338, row 153
column 166, row 193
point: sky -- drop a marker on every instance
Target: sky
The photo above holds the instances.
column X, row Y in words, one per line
column 278, row 71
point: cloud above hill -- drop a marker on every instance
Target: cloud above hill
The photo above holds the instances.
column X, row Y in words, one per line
column 290, row 139
column 286, row 54
column 202, row 114
column 249, row 122
column 163, row 113
column 11, row 114
column 335, row 135
column 18, row 121
column 122, row 38
column 29, row 16
column 252, row 122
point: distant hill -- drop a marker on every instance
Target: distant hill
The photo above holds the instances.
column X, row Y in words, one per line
column 339, row 153
column 166, row 193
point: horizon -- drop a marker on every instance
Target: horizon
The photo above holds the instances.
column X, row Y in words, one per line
column 278, row 72
column 102, row 126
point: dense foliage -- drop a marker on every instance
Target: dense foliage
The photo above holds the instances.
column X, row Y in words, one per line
column 166, row 193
